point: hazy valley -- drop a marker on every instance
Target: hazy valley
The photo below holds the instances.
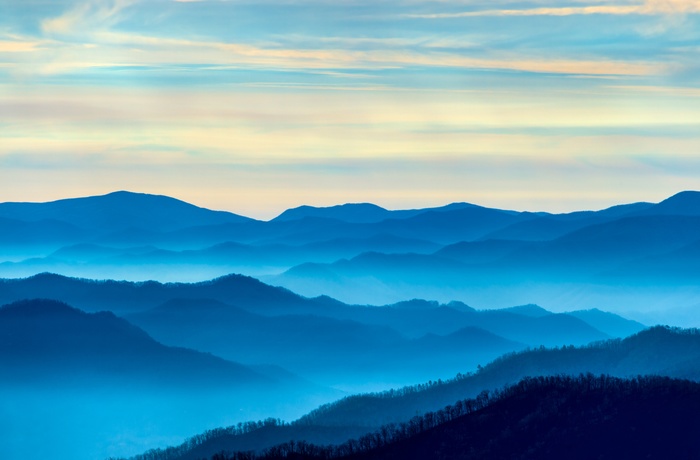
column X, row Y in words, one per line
column 135, row 322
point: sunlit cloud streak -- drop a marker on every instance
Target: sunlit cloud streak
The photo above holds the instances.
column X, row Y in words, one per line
column 106, row 51
column 650, row 7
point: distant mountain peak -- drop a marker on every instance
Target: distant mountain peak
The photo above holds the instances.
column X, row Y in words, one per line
column 416, row 304
column 128, row 193
column 368, row 213
column 685, row 194
column 48, row 276
column 235, row 278
column 532, row 310
column 349, row 212
column 460, row 306
column 686, row 203
column 119, row 211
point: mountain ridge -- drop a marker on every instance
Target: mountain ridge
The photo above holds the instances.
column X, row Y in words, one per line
column 59, row 336
column 118, row 210
column 363, row 212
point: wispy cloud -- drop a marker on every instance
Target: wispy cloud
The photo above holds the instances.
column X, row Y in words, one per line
column 665, row 90
column 122, row 49
column 650, row 7
column 89, row 36
column 87, row 16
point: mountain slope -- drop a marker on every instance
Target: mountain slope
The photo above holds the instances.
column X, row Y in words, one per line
column 94, row 386
column 256, row 297
column 573, row 266
column 124, row 296
column 546, row 418
column 579, row 417
column 44, row 234
column 236, row 254
column 327, row 350
column 452, row 226
column 611, row 324
column 42, row 339
column 477, row 252
column 660, row 351
column 551, row 226
column 685, row 203
column 120, row 210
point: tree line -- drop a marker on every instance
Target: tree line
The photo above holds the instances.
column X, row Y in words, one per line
column 581, row 385
column 323, row 414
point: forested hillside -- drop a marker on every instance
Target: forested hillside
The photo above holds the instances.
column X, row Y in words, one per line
column 555, row 417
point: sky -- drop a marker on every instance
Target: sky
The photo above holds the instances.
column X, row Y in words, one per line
column 258, row 106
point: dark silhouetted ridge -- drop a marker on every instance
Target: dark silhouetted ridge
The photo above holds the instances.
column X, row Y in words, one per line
column 544, row 418
column 549, row 417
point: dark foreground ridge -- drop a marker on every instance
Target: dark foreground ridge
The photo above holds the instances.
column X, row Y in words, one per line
column 659, row 351
column 556, row 417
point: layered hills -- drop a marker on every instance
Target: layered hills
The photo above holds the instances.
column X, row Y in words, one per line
column 636, row 259
column 148, row 319
column 244, row 320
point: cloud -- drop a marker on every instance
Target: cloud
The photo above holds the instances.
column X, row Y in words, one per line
column 93, row 23
column 167, row 53
column 18, row 46
column 86, row 16
column 665, row 90
column 650, row 7
column 671, row 6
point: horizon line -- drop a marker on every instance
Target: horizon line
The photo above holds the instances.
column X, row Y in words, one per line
column 321, row 206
